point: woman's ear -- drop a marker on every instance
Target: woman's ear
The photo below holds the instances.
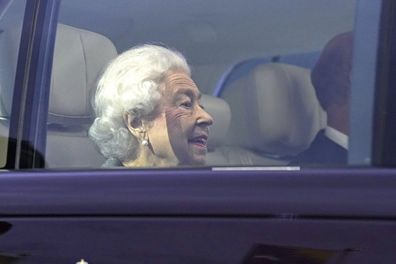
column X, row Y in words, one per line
column 134, row 124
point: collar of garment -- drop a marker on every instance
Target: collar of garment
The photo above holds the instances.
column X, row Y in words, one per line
column 338, row 137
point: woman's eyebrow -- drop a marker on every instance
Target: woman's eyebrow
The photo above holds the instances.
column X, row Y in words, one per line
column 189, row 93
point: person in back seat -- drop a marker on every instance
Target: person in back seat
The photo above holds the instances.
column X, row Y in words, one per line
column 148, row 111
column 331, row 80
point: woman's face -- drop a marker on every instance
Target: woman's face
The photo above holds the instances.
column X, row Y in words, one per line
column 181, row 129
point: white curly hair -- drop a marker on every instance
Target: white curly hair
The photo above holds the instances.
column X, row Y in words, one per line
column 130, row 84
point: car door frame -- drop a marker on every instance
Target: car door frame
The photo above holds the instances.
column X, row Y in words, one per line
column 28, row 120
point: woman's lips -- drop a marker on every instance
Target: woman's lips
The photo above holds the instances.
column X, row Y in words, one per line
column 199, row 141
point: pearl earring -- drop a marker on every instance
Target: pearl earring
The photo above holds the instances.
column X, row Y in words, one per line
column 145, row 142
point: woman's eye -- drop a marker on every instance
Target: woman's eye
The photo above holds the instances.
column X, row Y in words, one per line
column 187, row 104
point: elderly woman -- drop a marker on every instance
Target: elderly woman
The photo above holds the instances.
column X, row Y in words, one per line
column 148, row 111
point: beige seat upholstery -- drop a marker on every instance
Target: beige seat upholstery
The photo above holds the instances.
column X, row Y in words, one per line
column 221, row 114
column 79, row 58
column 275, row 113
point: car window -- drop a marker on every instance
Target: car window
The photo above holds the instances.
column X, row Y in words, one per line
column 252, row 62
column 11, row 17
column 270, row 85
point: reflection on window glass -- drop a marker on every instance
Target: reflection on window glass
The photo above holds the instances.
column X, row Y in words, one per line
column 11, row 16
column 264, row 83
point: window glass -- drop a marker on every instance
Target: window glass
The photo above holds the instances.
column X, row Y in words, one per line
column 11, row 17
column 253, row 62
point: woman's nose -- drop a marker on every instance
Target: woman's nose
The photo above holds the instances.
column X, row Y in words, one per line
column 204, row 117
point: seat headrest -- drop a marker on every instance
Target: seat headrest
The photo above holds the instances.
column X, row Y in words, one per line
column 79, row 58
column 221, row 114
column 274, row 110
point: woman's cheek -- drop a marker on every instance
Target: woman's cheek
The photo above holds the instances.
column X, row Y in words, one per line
column 177, row 139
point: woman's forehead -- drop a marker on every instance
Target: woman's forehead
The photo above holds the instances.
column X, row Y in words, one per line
column 180, row 82
column 175, row 77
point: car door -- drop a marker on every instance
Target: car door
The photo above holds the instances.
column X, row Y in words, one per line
column 211, row 214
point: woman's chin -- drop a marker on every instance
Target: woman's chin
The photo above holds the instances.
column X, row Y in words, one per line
column 196, row 160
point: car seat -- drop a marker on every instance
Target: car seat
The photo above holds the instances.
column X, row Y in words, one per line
column 79, row 58
column 221, row 114
column 275, row 112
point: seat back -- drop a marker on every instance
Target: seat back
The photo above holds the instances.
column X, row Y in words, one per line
column 275, row 112
column 220, row 154
column 79, row 58
column 240, row 69
column 221, row 114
